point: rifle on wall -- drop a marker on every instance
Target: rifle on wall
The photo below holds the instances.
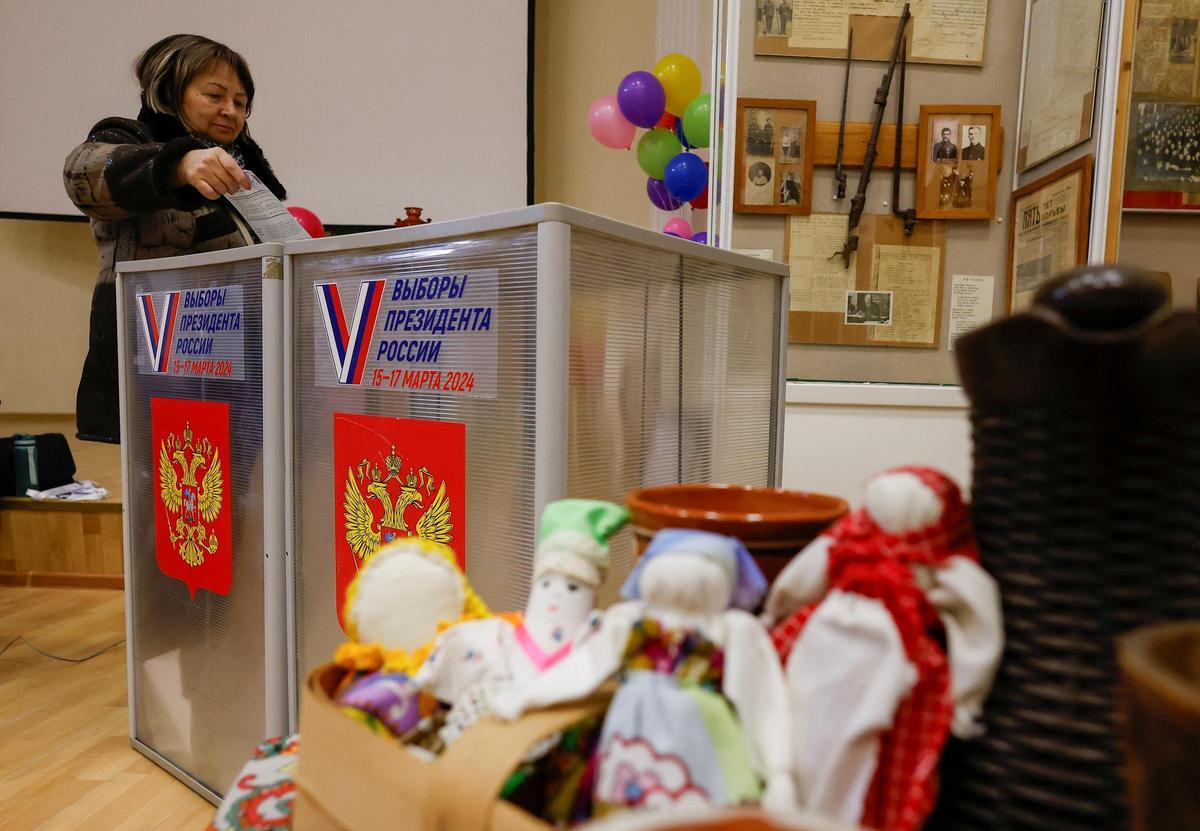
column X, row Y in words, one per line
column 909, row 215
column 881, row 98
column 839, row 175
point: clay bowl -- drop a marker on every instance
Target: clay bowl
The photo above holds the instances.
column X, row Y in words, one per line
column 773, row 523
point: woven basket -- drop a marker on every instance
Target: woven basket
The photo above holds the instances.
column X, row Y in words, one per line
column 1160, row 698
column 1086, row 504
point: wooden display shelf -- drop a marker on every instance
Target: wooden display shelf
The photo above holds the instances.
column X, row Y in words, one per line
column 858, row 133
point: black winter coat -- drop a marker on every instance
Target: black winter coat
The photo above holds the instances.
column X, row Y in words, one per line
column 122, row 178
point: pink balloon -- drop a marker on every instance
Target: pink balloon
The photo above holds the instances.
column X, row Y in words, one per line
column 678, row 227
column 608, row 126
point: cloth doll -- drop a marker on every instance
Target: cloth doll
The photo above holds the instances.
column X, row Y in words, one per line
column 700, row 715
column 407, row 592
column 862, row 615
column 472, row 660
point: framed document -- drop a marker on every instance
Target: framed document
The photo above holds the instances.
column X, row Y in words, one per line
column 775, row 140
column 943, row 31
column 958, row 157
column 1058, row 81
column 890, row 295
column 1048, row 230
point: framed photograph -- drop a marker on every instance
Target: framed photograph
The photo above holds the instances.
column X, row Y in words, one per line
column 868, row 308
column 775, row 140
column 958, row 159
column 1048, row 230
column 1058, row 78
column 1162, row 159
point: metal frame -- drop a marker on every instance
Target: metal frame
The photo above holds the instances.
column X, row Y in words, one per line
column 276, row 682
column 553, row 377
column 523, row 217
column 274, row 648
column 289, row 519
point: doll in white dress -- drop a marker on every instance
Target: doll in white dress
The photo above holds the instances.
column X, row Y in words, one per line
column 700, row 716
column 891, row 634
column 472, row 661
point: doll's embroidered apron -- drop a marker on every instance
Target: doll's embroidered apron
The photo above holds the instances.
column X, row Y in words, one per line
column 670, row 736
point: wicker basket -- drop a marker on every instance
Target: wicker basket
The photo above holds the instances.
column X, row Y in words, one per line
column 1086, row 504
column 1160, row 705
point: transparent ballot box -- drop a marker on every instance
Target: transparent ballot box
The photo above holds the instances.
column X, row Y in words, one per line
column 200, row 361
column 448, row 380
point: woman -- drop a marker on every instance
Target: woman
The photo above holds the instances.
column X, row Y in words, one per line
column 152, row 187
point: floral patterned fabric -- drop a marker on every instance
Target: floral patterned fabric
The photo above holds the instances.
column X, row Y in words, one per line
column 261, row 796
column 670, row 737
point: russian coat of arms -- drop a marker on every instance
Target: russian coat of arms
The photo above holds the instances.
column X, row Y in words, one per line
column 191, row 487
column 378, row 504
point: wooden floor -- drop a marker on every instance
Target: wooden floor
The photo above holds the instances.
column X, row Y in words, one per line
column 65, row 758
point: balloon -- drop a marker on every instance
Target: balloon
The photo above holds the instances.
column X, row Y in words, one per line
column 700, row 203
column 695, row 120
column 655, row 149
column 667, row 122
column 308, row 221
column 686, row 176
column 679, row 135
column 656, row 189
column 608, row 126
column 641, row 98
column 677, row 227
column 680, row 79
column 700, row 237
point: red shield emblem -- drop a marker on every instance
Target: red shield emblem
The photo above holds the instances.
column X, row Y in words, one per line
column 192, row 515
column 394, row 478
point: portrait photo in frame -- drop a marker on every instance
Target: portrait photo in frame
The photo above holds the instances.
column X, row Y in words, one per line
column 775, row 141
column 958, row 160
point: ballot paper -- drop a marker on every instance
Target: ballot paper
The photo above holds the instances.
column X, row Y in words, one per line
column 84, row 491
column 265, row 214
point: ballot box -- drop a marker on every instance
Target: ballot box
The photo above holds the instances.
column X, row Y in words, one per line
column 201, row 385
column 448, row 380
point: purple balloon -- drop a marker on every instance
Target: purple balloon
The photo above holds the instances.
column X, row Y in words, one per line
column 641, row 98
column 662, row 199
column 700, row 237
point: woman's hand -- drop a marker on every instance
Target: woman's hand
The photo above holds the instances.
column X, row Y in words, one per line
column 213, row 172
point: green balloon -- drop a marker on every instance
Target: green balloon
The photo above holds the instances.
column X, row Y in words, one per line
column 695, row 120
column 655, row 149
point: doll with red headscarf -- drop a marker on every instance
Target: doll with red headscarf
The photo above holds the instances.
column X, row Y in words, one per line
column 890, row 633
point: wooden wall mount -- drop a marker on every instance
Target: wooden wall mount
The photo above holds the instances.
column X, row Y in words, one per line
column 858, row 133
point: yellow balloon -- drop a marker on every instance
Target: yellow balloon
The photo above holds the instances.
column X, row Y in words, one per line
column 681, row 80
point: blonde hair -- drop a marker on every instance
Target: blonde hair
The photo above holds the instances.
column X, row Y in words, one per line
column 165, row 69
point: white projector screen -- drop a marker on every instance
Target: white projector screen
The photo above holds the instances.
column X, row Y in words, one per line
column 362, row 107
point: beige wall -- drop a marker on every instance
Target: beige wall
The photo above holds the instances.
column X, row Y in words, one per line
column 582, row 52
column 47, row 270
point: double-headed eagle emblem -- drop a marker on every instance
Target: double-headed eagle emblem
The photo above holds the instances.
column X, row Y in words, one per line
column 191, row 488
column 367, row 485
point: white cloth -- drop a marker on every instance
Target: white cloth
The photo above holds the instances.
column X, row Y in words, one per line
column 848, row 671
column 803, row 581
column 847, row 674
column 967, row 600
